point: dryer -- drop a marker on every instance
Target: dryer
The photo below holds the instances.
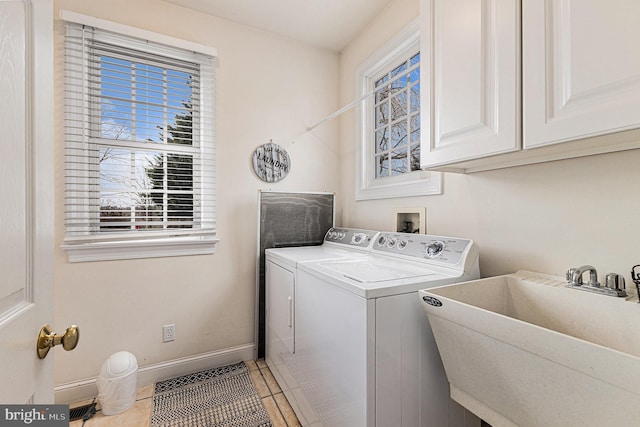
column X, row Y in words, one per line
column 365, row 354
column 280, row 293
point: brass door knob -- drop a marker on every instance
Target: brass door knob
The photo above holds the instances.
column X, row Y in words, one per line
column 47, row 339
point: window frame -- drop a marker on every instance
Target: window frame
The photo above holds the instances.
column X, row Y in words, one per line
column 92, row 246
column 416, row 183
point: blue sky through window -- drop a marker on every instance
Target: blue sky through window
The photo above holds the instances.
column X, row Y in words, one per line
column 144, row 103
column 139, row 101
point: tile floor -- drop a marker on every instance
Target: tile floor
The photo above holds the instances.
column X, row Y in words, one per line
column 269, row 391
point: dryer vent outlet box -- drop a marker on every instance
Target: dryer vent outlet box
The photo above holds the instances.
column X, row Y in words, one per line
column 410, row 220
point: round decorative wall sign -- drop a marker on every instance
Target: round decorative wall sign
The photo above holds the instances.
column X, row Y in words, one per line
column 271, row 162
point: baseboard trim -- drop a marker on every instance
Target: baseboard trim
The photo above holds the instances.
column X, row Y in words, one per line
column 86, row 389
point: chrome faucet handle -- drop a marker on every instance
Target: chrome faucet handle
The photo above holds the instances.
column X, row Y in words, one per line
column 615, row 281
column 571, row 280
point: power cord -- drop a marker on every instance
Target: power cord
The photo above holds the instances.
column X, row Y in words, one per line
column 91, row 411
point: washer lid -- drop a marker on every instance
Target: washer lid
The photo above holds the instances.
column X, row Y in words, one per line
column 364, row 271
column 293, row 255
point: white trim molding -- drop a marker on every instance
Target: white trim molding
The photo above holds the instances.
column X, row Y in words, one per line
column 134, row 249
column 87, row 389
column 69, row 16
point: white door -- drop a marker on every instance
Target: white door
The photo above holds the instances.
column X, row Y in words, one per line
column 26, row 198
column 581, row 69
column 475, row 69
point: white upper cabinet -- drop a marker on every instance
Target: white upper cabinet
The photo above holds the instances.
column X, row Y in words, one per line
column 580, row 81
column 474, row 72
column 581, row 69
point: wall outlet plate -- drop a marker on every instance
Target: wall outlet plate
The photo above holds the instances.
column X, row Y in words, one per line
column 169, row 333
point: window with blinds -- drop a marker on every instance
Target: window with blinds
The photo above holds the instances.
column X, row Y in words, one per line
column 139, row 153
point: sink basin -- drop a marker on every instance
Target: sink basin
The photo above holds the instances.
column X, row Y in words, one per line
column 524, row 350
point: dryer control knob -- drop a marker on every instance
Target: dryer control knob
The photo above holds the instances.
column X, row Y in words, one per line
column 358, row 238
column 434, row 249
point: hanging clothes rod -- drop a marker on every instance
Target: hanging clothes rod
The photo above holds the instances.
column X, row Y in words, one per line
column 342, row 110
column 362, row 98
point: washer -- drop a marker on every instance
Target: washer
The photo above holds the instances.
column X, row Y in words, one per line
column 280, row 293
column 365, row 354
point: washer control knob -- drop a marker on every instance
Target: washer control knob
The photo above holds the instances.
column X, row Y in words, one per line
column 382, row 240
column 358, row 238
column 392, row 242
column 434, row 249
column 341, row 235
column 402, row 244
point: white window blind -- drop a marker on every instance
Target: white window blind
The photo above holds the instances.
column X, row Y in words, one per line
column 139, row 129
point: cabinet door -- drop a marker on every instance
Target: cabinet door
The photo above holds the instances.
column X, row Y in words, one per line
column 475, row 69
column 279, row 287
column 581, row 69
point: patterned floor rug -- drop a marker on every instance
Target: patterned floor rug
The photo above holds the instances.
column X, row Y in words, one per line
column 224, row 397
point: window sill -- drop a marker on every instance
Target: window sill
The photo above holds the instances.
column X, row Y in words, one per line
column 426, row 184
column 135, row 249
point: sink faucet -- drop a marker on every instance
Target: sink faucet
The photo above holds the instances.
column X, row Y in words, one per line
column 574, row 276
column 614, row 285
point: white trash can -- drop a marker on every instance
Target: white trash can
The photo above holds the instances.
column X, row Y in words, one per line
column 117, row 383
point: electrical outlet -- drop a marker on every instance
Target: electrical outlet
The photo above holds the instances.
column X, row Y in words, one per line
column 169, row 332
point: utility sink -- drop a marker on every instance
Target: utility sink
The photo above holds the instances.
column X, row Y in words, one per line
column 524, row 350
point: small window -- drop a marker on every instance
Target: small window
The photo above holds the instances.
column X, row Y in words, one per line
column 397, row 119
column 139, row 154
column 390, row 123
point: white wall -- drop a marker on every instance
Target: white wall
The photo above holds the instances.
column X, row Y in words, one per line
column 541, row 217
column 545, row 217
column 268, row 87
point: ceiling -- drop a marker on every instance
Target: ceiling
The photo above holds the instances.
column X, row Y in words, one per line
column 326, row 23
